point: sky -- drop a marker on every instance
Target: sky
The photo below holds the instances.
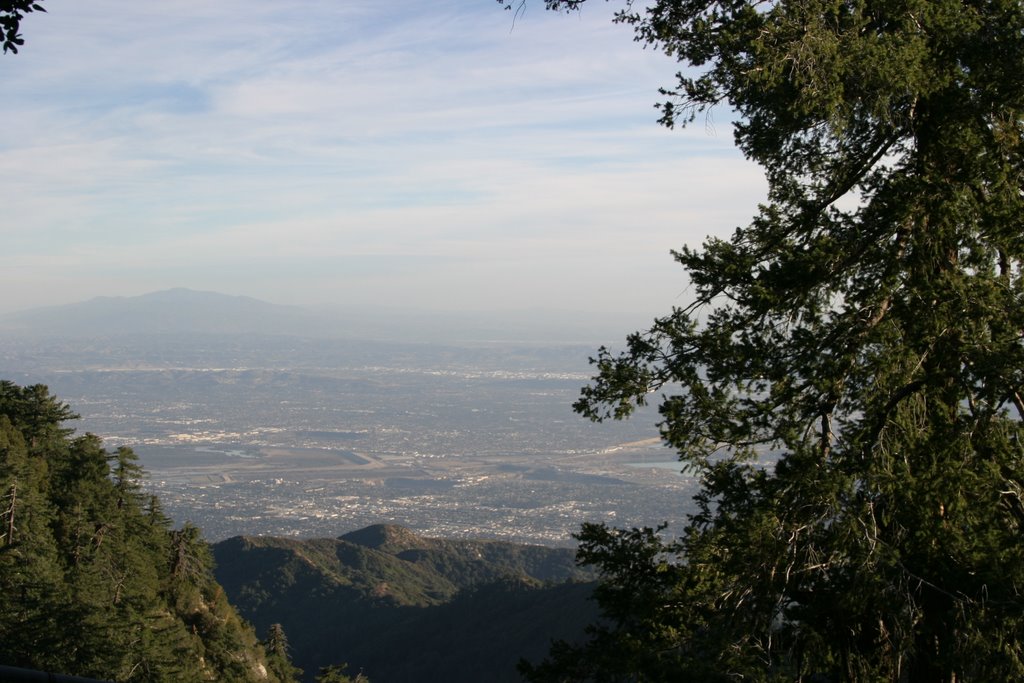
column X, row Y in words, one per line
column 444, row 155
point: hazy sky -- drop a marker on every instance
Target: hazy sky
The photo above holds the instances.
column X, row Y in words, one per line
column 378, row 152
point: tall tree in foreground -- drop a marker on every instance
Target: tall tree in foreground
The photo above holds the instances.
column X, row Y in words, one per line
column 848, row 382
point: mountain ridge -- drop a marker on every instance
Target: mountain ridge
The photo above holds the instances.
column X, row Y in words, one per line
column 363, row 595
column 177, row 310
column 182, row 310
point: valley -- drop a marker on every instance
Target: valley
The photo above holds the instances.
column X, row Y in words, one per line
column 288, row 436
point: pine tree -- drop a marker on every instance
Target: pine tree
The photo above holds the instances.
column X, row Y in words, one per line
column 31, row 583
column 279, row 655
column 847, row 383
column 93, row 579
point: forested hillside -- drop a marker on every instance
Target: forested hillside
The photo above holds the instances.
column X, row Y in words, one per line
column 95, row 580
column 405, row 608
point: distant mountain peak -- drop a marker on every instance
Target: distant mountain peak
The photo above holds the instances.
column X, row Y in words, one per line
column 175, row 292
column 190, row 294
column 178, row 310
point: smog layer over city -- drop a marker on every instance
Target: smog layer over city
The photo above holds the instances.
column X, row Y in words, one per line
column 287, row 435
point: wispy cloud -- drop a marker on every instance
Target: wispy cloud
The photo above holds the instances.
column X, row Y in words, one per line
column 430, row 155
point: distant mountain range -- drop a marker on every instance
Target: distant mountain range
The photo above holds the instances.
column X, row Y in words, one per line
column 179, row 311
column 404, row 608
column 189, row 312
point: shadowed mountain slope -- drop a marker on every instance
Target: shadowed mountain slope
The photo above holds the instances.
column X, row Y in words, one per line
column 448, row 607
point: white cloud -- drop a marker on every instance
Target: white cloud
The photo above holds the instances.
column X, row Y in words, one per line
column 431, row 154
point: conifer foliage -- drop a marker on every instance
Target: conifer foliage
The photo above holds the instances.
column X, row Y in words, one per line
column 94, row 580
column 848, row 381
